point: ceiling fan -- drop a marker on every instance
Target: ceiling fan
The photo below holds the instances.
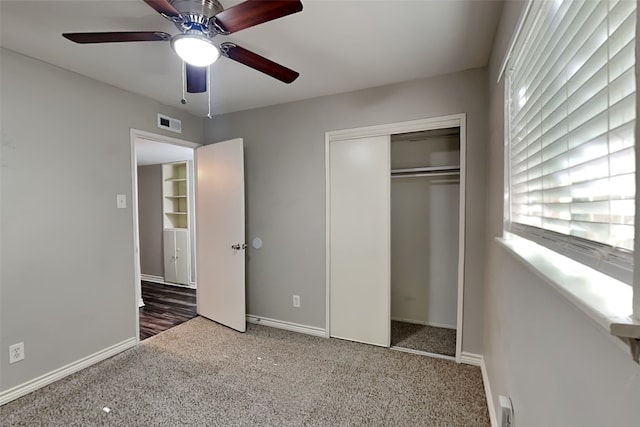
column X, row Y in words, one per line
column 199, row 21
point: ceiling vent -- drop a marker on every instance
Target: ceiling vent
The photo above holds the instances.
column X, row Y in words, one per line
column 169, row 123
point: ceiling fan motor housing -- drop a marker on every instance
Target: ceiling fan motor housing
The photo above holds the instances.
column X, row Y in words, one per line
column 205, row 8
column 196, row 15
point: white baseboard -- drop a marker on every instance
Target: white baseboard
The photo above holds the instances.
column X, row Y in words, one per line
column 478, row 360
column 160, row 280
column 53, row 376
column 288, row 326
column 471, row 358
column 487, row 389
column 152, row 279
column 423, row 322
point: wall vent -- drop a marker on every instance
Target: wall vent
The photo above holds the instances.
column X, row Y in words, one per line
column 169, row 123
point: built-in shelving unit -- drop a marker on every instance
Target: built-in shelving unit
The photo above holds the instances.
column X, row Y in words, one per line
column 175, row 195
column 175, row 209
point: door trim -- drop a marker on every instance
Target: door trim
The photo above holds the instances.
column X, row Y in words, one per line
column 136, row 135
column 453, row 120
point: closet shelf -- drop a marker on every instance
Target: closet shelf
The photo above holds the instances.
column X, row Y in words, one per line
column 175, row 197
column 175, row 179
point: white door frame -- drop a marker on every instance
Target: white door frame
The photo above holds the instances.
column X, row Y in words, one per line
column 136, row 135
column 454, row 120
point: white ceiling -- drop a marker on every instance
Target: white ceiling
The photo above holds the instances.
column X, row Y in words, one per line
column 335, row 45
column 153, row 153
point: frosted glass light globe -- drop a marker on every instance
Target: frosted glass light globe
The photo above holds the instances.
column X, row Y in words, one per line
column 195, row 49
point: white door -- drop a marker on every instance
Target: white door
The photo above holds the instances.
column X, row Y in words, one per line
column 176, row 256
column 359, row 240
column 220, row 222
column 182, row 256
column 169, row 254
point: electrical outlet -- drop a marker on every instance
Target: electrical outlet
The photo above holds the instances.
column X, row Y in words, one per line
column 16, row 352
column 506, row 411
column 296, row 301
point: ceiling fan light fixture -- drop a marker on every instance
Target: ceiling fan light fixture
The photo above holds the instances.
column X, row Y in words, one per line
column 195, row 49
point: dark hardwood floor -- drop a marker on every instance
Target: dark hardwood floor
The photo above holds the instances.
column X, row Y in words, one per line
column 165, row 306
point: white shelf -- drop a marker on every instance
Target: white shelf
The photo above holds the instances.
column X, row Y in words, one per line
column 174, row 191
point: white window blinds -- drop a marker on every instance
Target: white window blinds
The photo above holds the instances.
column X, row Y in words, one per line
column 571, row 122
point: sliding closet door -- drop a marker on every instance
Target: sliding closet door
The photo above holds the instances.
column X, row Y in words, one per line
column 359, row 248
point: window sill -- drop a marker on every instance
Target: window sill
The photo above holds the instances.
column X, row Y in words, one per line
column 604, row 299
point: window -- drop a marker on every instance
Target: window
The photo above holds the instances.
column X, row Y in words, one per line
column 571, row 131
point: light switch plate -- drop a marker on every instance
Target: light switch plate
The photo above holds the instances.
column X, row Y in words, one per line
column 121, row 200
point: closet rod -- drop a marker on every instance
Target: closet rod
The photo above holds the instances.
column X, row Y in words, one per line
column 427, row 169
column 417, row 174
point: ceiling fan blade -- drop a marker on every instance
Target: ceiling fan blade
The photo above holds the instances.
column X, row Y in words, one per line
column 257, row 62
column 163, row 7
column 254, row 12
column 196, row 79
column 116, row 37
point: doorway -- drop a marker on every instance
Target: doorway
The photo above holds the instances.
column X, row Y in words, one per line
column 425, row 198
column 164, row 231
column 359, row 250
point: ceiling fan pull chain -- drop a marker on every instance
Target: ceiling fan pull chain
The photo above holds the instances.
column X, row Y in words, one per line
column 184, row 99
column 209, row 91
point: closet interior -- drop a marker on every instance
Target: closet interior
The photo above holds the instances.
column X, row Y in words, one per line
column 425, row 204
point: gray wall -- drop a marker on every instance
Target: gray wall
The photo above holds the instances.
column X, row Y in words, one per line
column 285, row 164
column 558, row 367
column 67, row 266
column 150, row 219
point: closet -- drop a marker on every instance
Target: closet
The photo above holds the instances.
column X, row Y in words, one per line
column 395, row 235
column 425, row 194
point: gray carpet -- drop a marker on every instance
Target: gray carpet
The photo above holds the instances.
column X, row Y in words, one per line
column 423, row 338
column 203, row 374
